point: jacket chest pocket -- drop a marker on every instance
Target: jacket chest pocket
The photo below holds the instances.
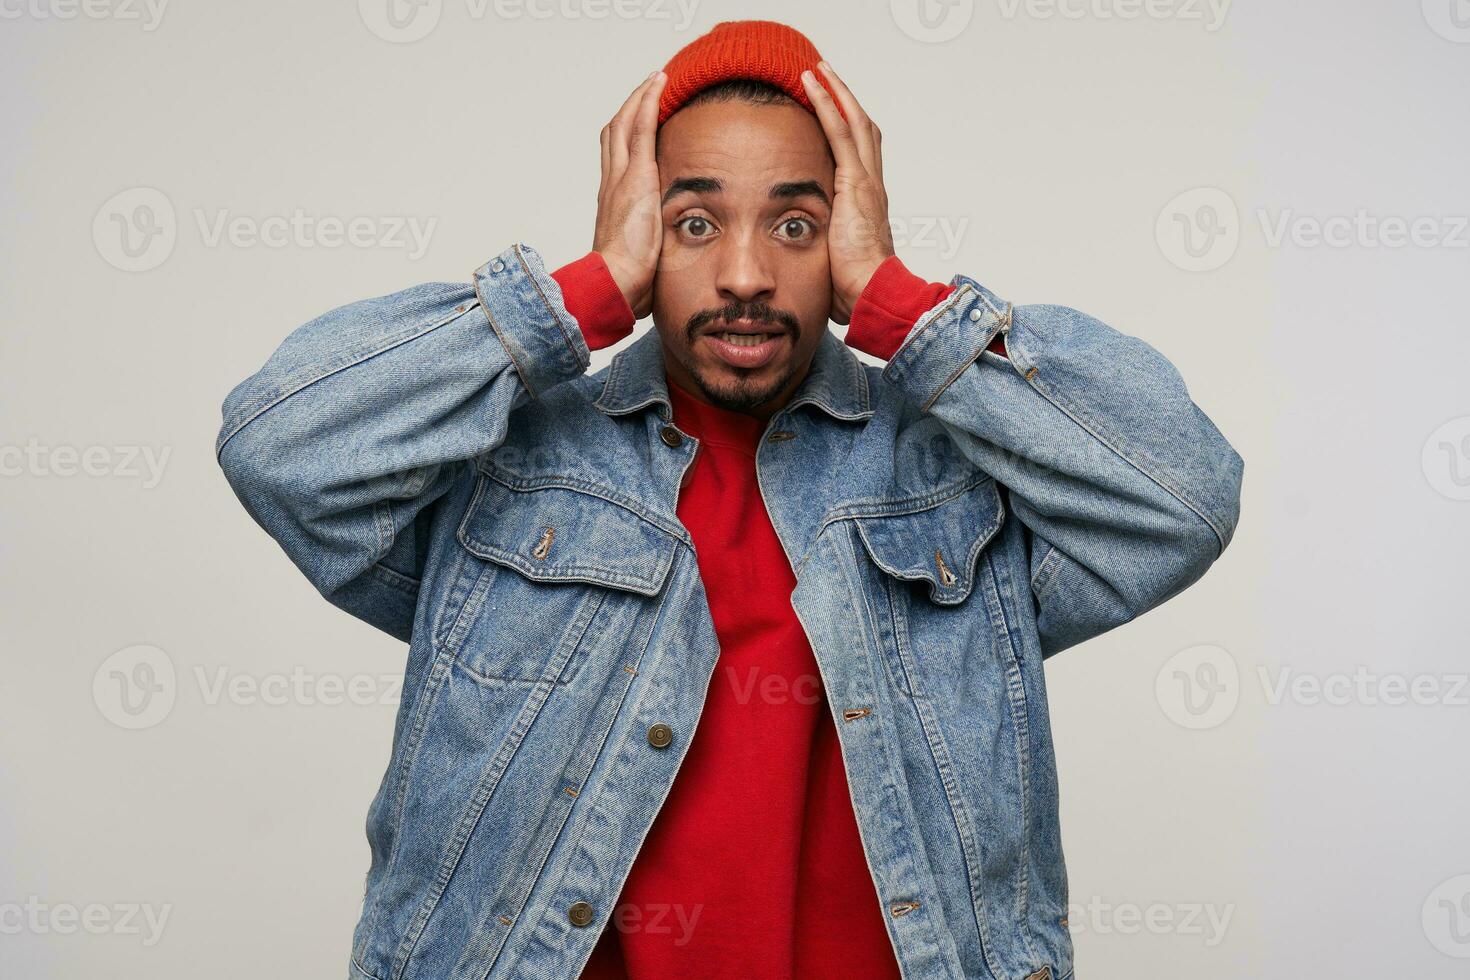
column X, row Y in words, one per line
column 542, row 573
column 924, row 569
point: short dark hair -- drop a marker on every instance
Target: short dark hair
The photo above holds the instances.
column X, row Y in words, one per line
column 752, row 90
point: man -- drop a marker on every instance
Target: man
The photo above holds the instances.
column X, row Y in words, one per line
column 819, row 592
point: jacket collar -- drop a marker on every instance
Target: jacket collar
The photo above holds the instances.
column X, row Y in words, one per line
column 837, row 382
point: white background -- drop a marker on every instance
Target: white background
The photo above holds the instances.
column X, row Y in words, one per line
column 1235, row 829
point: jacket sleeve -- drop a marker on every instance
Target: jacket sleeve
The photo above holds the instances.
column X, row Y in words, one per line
column 342, row 442
column 1126, row 491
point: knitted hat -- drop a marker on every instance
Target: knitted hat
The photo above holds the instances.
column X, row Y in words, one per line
column 760, row 49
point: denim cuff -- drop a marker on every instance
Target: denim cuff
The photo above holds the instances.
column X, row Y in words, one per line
column 946, row 340
column 528, row 313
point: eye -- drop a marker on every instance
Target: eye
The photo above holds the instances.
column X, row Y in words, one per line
column 798, row 229
column 695, row 226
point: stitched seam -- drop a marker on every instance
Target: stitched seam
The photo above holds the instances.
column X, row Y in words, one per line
column 908, row 505
column 627, row 502
column 520, row 256
column 971, row 849
column 594, row 574
column 981, row 540
column 964, row 366
column 647, row 585
column 1020, row 718
column 872, row 618
column 383, row 525
column 397, row 580
column 1046, row 572
column 490, row 778
column 846, row 563
column 265, row 403
column 834, row 518
column 922, row 326
column 427, row 698
column 356, row 962
column 1099, row 432
column 501, row 336
column 902, row 641
column 469, row 609
column 617, row 712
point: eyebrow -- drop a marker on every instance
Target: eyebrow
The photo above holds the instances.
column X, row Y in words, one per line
column 800, row 188
column 712, row 185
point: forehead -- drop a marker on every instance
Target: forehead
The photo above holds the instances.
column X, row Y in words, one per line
column 748, row 146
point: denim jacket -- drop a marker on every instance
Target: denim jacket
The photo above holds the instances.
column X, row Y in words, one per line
column 439, row 463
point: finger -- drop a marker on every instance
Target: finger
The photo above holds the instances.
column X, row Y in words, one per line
column 862, row 126
column 619, row 135
column 605, row 140
column 839, row 133
column 645, row 124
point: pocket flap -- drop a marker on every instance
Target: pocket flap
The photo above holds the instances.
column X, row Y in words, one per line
column 558, row 534
column 938, row 543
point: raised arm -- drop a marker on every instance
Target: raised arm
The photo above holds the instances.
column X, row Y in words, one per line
column 362, row 419
column 1126, row 490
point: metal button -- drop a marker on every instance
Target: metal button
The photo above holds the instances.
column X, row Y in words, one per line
column 497, row 266
column 580, row 913
column 671, row 436
column 945, row 575
column 660, row 735
column 975, row 313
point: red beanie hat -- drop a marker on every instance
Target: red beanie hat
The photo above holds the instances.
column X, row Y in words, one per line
column 760, row 49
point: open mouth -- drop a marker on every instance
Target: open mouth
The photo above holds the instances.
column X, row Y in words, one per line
column 744, row 339
column 744, row 349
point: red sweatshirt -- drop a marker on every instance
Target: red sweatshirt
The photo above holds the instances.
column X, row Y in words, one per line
column 754, row 866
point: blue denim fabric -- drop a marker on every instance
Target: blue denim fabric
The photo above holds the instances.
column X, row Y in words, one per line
column 439, row 463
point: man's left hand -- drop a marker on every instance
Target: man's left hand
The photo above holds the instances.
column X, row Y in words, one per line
column 858, row 237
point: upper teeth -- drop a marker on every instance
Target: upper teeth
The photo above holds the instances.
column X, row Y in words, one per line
column 742, row 339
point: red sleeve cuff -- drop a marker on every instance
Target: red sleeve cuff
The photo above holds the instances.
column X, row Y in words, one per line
column 890, row 305
column 594, row 300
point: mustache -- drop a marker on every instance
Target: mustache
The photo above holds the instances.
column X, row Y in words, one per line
column 755, row 312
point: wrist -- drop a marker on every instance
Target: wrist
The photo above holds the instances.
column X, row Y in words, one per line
column 889, row 306
column 594, row 299
column 630, row 282
column 864, row 277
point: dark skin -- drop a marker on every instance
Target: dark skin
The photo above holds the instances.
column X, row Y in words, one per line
column 753, row 246
column 734, row 210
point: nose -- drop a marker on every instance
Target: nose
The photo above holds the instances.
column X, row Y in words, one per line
column 744, row 273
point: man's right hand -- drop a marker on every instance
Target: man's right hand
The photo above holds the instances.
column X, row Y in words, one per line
column 629, row 216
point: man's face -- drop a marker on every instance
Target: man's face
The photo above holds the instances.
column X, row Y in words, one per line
column 746, row 203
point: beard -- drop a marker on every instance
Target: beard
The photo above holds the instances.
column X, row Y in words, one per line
column 745, row 391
